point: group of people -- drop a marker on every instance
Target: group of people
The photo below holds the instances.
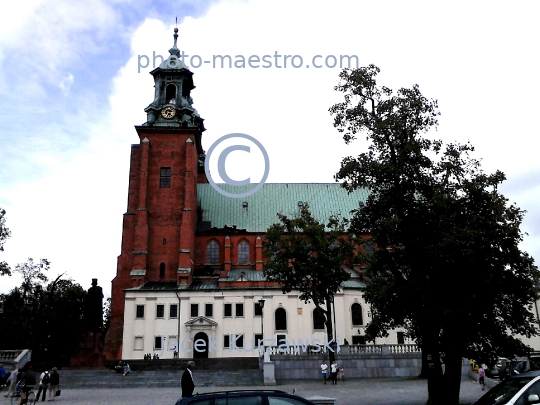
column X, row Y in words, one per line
column 123, row 367
column 335, row 372
column 22, row 381
column 149, row 356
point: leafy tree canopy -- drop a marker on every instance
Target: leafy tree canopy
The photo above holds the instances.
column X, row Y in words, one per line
column 46, row 318
column 32, row 273
column 307, row 256
column 449, row 267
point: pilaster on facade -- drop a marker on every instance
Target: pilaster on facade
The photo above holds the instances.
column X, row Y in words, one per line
column 227, row 263
column 258, row 253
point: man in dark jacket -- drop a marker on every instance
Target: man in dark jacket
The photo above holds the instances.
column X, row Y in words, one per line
column 188, row 384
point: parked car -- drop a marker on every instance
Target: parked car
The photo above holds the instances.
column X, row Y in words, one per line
column 521, row 389
column 248, row 397
column 495, row 371
column 514, row 367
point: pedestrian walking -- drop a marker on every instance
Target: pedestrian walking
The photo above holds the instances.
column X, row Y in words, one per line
column 342, row 374
column 44, row 381
column 2, row 375
column 12, row 381
column 334, row 371
column 55, row 383
column 188, row 383
column 324, row 371
column 481, row 375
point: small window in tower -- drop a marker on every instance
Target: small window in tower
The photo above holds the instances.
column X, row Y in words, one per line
column 170, row 94
column 165, row 177
column 139, row 312
column 162, row 270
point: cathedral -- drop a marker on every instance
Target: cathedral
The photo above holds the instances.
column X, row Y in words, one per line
column 189, row 280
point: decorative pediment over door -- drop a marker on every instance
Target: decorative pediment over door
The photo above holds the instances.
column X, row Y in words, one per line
column 201, row 323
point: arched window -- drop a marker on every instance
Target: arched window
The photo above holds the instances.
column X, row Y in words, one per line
column 356, row 314
column 243, row 252
column 212, row 252
column 281, row 319
column 318, row 318
column 170, row 94
column 161, row 270
column 369, row 248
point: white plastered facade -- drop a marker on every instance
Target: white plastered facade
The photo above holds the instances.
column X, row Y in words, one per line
column 159, row 335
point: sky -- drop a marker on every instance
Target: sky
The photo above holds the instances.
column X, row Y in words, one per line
column 73, row 85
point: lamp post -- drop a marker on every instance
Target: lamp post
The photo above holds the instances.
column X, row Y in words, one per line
column 261, row 305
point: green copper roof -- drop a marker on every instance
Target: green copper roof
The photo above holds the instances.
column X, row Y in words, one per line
column 262, row 207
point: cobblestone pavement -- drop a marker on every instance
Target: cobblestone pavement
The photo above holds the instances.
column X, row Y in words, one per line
column 372, row 391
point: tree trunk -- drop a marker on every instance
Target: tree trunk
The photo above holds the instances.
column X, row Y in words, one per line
column 330, row 330
column 452, row 378
column 424, row 370
column 435, row 376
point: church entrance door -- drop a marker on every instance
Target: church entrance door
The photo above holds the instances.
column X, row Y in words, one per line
column 202, row 354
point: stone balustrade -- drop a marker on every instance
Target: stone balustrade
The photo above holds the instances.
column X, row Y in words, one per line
column 310, row 350
column 360, row 361
column 18, row 357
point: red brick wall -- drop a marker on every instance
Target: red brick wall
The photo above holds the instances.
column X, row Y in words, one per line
column 160, row 223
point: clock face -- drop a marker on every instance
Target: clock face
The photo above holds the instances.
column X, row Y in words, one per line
column 168, row 112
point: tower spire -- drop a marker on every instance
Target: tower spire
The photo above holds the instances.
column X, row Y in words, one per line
column 175, row 36
column 174, row 50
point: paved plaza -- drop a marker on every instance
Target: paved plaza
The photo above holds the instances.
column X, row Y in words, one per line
column 372, row 391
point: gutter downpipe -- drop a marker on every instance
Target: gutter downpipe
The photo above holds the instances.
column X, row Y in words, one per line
column 178, row 331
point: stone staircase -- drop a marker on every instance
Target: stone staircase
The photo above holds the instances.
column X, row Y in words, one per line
column 225, row 363
column 224, row 372
column 157, row 378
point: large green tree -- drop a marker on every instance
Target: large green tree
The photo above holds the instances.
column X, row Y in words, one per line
column 448, row 265
column 43, row 316
column 306, row 255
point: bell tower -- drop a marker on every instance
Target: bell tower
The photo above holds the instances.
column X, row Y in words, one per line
column 158, row 237
column 173, row 105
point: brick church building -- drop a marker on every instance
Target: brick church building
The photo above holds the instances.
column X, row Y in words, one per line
column 189, row 276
